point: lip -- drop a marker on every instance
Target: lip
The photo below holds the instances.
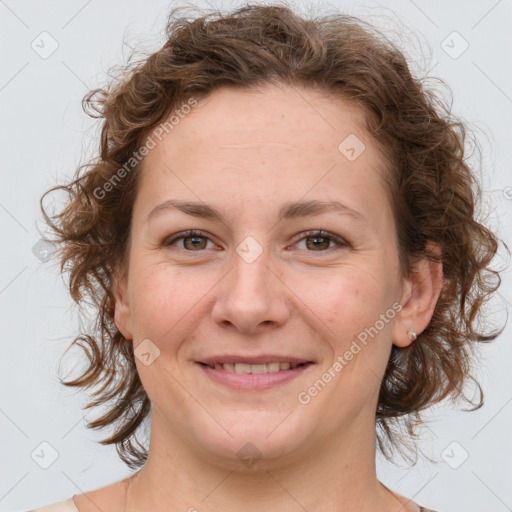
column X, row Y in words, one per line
column 253, row 381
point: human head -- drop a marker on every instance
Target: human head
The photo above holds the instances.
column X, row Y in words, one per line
column 429, row 186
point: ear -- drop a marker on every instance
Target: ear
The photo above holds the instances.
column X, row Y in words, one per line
column 122, row 315
column 419, row 298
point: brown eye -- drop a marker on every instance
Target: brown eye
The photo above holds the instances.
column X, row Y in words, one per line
column 319, row 241
column 193, row 241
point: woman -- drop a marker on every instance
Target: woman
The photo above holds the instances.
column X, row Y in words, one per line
column 280, row 239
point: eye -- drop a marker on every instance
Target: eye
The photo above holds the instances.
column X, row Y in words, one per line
column 316, row 241
column 193, row 240
column 319, row 241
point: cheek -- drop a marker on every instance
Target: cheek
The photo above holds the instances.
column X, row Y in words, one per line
column 163, row 299
column 347, row 299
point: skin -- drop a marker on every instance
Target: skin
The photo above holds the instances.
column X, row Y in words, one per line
column 246, row 154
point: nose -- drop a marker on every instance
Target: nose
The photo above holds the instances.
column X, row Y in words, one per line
column 251, row 297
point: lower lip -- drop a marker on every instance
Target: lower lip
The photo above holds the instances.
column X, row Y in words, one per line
column 253, row 381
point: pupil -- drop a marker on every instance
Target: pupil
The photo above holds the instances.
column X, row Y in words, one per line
column 319, row 241
column 195, row 241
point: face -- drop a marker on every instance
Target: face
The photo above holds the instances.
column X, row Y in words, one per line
column 242, row 319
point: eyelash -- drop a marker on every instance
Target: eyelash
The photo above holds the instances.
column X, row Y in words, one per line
column 308, row 234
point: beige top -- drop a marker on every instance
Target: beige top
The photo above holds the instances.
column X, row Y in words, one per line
column 69, row 506
column 62, row 506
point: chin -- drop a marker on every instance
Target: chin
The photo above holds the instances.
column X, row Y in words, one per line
column 253, row 441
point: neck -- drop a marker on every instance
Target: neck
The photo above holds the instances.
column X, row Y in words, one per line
column 338, row 475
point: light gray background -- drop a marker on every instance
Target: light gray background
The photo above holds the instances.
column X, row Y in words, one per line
column 45, row 135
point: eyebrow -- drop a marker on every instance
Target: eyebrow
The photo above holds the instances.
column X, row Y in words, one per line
column 289, row 210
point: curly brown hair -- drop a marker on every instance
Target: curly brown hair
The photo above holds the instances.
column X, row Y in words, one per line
column 432, row 189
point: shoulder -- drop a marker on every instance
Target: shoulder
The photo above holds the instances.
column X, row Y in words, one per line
column 62, row 506
column 104, row 498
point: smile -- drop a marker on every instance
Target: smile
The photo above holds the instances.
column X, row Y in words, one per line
column 255, row 368
column 252, row 373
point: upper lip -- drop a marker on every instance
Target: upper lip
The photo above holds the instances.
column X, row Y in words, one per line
column 257, row 359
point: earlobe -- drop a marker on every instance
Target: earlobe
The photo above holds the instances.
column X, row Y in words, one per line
column 122, row 317
column 419, row 299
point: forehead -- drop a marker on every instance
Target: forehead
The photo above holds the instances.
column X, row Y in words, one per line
column 282, row 142
column 254, row 118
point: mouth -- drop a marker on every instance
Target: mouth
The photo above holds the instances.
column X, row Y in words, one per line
column 253, row 373
column 261, row 368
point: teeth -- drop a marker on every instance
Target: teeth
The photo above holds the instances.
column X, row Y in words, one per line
column 258, row 368
column 255, row 368
column 273, row 367
column 242, row 368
